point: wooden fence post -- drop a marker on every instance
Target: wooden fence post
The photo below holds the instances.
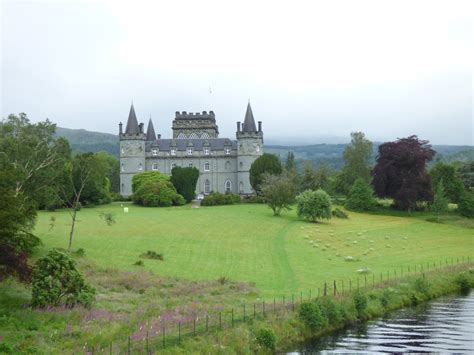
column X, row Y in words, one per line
column 254, row 312
column 128, row 345
column 207, row 322
column 110, row 348
column 244, row 312
column 335, row 289
column 232, row 317
column 179, row 332
column 194, row 326
column 365, row 278
column 164, row 337
column 350, row 285
column 325, row 289
column 263, row 308
column 220, row 320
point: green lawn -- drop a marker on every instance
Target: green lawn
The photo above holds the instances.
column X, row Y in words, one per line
column 281, row 255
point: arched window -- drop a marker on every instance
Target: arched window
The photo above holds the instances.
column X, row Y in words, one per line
column 241, row 165
column 154, row 166
column 227, row 165
column 181, row 136
column 228, row 186
column 140, row 167
column 123, row 187
column 207, row 166
column 205, row 135
column 207, row 187
column 241, row 187
column 193, row 136
column 257, row 148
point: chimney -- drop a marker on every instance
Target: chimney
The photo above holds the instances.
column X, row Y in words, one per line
column 141, row 128
column 238, row 126
column 260, row 126
column 120, row 128
column 159, row 136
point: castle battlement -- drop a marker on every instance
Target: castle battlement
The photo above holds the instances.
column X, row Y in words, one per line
column 195, row 115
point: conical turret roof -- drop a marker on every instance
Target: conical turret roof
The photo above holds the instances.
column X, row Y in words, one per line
column 132, row 123
column 249, row 122
column 150, row 132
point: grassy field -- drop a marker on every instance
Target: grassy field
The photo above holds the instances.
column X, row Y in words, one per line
column 246, row 243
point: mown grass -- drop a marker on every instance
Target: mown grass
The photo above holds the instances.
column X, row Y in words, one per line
column 246, row 243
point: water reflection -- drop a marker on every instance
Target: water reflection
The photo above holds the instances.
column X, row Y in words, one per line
column 444, row 325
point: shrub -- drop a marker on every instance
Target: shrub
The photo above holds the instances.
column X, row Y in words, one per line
column 185, row 180
column 463, row 283
column 80, row 252
column 440, row 202
column 267, row 163
column 56, row 282
column 313, row 205
column 223, row 280
column 216, row 198
column 339, row 213
column 360, row 303
column 466, row 205
column 150, row 254
column 139, row 263
column 266, row 337
column 361, row 197
column 422, row 285
column 311, row 315
column 154, row 189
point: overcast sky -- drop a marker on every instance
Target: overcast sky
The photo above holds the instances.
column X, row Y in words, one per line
column 314, row 70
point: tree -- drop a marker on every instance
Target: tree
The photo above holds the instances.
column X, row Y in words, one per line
column 361, row 196
column 313, row 205
column 466, row 173
column 112, row 169
column 448, row 176
column 290, row 164
column 266, row 163
column 153, row 189
column 356, row 157
column 185, row 180
column 440, row 202
column 466, row 205
column 400, row 172
column 278, row 191
column 56, row 282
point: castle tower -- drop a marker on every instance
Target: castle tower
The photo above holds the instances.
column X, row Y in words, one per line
column 250, row 147
column 132, row 151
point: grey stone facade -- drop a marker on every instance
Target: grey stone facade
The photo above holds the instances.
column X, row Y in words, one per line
column 223, row 163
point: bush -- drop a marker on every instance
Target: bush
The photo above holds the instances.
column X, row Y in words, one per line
column 216, row 198
column 313, row 205
column 150, row 254
column 311, row 315
column 80, row 252
column 139, row 263
column 266, row 337
column 56, row 282
column 463, row 283
column 360, row 303
column 339, row 213
column 466, row 205
column 361, row 197
column 185, row 180
column 153, row 189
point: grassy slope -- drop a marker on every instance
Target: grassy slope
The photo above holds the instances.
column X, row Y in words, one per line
column 246, row 243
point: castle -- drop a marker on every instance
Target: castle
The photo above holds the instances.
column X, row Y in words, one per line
column 223, row 163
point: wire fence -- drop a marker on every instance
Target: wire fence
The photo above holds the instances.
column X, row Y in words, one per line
column 155, row 334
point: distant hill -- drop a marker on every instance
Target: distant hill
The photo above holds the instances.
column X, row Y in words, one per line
column 88, row 141
column 330, row 154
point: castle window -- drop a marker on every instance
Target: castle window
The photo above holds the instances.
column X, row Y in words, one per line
column 123, row 187
column 227, row 165
column 190, row 151
column 206, row 151
column 154, row 152
column 207, row 187
column 241, row 187
column 241, row 165
column 123, row 168
column 173, row 165
column 181, row 136
column 140, row 167
column 207, row 166
column 257, row 148
column 228, row 185
column 154, row 166
column 193, row 136
column 227, row 151
column 123, row 150
column 173, row 151
column 190, row 165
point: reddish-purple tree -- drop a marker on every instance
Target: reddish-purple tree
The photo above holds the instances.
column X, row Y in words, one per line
column 400, row 172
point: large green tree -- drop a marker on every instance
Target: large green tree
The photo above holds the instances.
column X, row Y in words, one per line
column 266, row 163
column 356, row 162
column 447, row 175
column 185, row 180
column 361, row 197
column 278, row 191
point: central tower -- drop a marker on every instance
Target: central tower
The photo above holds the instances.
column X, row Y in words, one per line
column 195, row 125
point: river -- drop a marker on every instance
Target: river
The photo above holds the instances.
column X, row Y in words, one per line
column 445, row 325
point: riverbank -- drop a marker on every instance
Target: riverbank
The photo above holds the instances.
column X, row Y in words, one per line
column 285, row 331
